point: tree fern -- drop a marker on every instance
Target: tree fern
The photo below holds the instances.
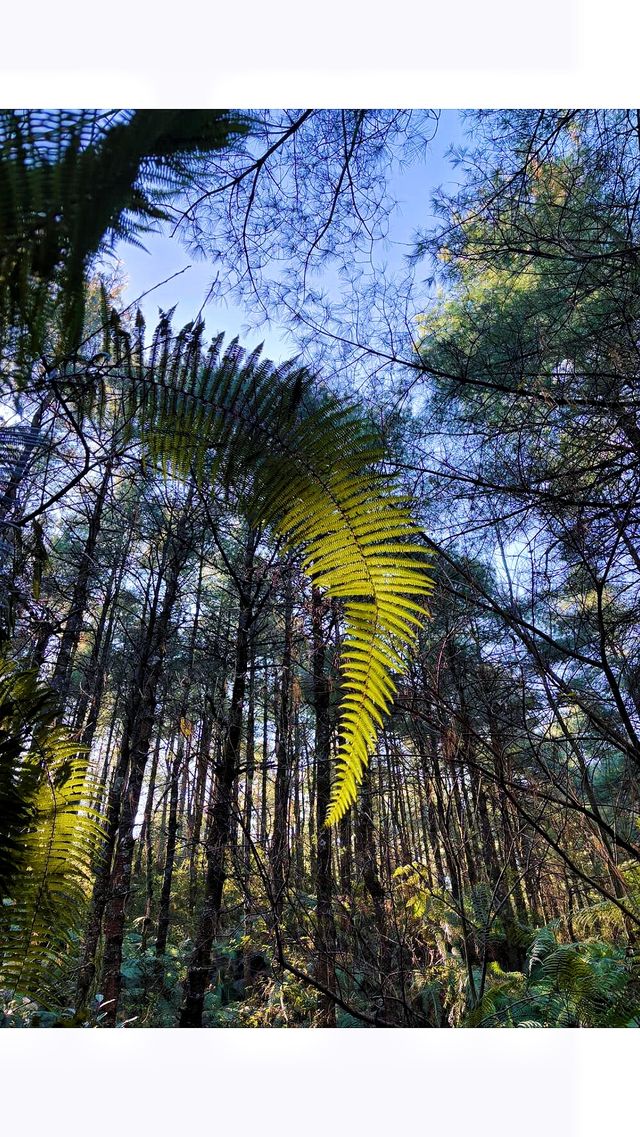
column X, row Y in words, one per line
column 588, row 984
column 311, row 463
column 48, row 832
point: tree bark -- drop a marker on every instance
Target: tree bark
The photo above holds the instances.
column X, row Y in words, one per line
column 326, row 934
column 61, row 678
column 220, row 826
column 280, row 836
column 139, row 725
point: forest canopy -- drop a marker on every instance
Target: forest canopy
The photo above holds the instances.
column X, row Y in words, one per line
column 320, row 678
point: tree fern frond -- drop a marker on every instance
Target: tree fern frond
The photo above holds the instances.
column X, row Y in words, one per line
column 73, row 181
column 48, row 834
column 312, row 467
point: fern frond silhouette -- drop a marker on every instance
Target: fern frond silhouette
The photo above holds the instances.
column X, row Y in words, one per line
column 71, row 180
column 312, row 466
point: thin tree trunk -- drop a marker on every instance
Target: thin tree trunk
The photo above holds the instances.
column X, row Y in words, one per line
column 265, row 758
column 280, row 837
column 61, row 678
column 250, row 758
column 326, row 934
column 139, row 725
column 165, row 895
column 220, row 826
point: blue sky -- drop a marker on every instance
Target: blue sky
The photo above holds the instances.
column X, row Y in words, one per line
column 164, row 255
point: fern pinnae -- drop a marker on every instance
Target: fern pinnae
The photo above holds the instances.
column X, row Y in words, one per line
column 48, row 834
column 348, row 519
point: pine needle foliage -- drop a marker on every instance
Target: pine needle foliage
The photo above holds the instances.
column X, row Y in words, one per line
column 311, row 465
column 48, row 835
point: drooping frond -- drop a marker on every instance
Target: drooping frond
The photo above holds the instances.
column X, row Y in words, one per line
column 313, row 467
column 356, row 533
column 49, row 828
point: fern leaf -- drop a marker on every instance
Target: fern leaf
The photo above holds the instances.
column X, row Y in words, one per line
column 49, row 828
column 312, row 466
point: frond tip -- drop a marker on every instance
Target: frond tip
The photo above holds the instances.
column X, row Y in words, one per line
column 368, row 556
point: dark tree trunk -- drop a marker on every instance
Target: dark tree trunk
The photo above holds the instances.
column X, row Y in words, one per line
column 280, row 835
column 326, row 935
column 367, row 867
column 90, row 701
column 265, row 759
column 139, row 726
column 146, row 841
column 250, row 760
column 195, row 826
column 165, row 895
column 100, row 891
column 220, row 826
column 61, row 678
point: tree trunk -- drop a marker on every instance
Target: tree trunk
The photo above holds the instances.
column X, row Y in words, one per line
column 326, row 934
column 220, row 826
column 61, row 678
column 165, row 895
column 280, row 835
column 139, row 725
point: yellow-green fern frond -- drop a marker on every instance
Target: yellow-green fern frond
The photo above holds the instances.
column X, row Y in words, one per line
column 310, row 465
column 48, row 835
column 350, row 527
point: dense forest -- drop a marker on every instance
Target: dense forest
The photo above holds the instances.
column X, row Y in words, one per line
column 320, row 679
